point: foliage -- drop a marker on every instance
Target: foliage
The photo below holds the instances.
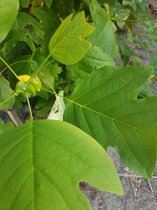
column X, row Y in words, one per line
column 43, row 167
column 50, row 47
column 8, row 13
column 108, row 110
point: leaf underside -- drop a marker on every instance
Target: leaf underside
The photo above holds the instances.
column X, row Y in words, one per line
column 42, row 163
column 104, row 34
column 105, row 105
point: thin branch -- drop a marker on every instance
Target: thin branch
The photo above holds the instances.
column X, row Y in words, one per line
column 134, row 176
column 29, row 107
column 14, row 117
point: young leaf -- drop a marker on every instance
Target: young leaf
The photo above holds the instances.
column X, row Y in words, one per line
column 42, row 162
column 104, row 35
column 68, row 44
column 5, row 93
column 8, row 13
column 105, row 105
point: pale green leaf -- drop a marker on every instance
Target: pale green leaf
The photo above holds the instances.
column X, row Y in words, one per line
column 104, row 35
column 68, row 44
column 8, row 13
column 42, row 163
column 7, row 98
column 105, row 105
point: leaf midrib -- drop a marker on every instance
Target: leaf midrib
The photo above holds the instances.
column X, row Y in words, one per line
column 110, row 118
column 33, row 168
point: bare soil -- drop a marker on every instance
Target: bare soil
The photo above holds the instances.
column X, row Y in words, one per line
column 140, row 194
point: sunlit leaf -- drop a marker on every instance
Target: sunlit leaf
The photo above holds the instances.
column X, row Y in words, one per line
column 8, row 13
column 42, row 163
column 105, row 105
column 68, row 44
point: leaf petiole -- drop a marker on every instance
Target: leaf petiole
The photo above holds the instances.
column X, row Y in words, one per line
column 29, row 107
column 9, row 67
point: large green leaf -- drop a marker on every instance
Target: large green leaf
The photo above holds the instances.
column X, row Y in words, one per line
column 105, row 105
column 68, row 44
column 7, row 98
column 104, row 35
column 8, row 13
column 93, row 60
column 42, row 163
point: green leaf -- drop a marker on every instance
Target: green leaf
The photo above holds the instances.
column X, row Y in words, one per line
column 93, row 60
column 5, row 127
column 8, row 13
column 24, row 3
column 68, row 44
column 2, row 126
column 104, row 35
column 105, row 105
column 7, row 98
column 49, row 21
column 42, row 163
column 48, row 3
column 27, row 29
column 121, row 15
column 63, row 7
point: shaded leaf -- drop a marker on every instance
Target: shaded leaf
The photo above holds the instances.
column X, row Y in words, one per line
column 68, row 44
column 105, row 105
column 48, row 3
column 93, row 60
column 104, row 35
column 27, row 29
column 41, row 164
column 63, row 7
column 6, row 94
column 8, row 13
column 24, row 3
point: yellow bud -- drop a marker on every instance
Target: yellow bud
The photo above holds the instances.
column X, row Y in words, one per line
column 24, row 78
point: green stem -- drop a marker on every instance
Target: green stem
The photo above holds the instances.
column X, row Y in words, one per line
column 54, row 92
column 47, row 64
column 49, row 91
column 9, row 67
column 143, row 20
column 29, row 107
column 43, row 63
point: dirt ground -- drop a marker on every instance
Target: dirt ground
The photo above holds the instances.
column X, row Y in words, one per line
column 140, row 194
